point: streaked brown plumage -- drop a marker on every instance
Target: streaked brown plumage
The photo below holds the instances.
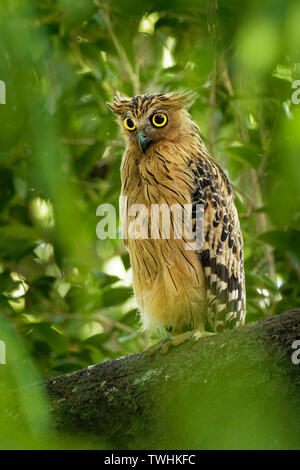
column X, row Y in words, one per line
column 174, row 287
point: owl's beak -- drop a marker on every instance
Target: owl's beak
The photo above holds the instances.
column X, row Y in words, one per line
column 144, row 142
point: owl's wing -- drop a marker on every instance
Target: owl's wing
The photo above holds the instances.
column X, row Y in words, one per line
column 221, row 254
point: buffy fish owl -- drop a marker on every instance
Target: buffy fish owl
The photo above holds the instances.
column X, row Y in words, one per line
column 190, row 292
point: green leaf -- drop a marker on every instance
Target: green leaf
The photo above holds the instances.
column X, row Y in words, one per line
column 116, row 296
column 49, row 334
column 283, row 241
column 6, row 282
column 17, row 239
column 245, row 154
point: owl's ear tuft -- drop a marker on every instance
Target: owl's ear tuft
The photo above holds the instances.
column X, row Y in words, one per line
column 119, row 103
column 181, row 99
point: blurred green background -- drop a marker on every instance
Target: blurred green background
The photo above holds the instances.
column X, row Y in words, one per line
column 66, row 297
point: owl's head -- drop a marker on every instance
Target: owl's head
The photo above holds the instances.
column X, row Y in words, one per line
column 147, row 119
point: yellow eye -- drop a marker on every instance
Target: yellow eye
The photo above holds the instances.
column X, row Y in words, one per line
column 159, row 120
column 129, row 124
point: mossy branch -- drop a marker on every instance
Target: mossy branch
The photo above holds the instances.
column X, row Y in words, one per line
column 237, row 389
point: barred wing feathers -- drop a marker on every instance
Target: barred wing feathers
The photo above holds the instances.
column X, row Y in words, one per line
column 222, row 252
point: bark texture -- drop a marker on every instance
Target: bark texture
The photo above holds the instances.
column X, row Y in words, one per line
column 237, row 389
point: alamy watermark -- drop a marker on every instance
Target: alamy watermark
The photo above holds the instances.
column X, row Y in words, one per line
column 155, row 221
column 296, row 95
column 2, row 92
column 2, row 352
column 296, row 353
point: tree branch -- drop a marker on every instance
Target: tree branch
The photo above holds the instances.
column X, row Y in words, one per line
column 124, row 60
column 237, row 389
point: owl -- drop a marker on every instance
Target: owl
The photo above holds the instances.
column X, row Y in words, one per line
column 190, row 291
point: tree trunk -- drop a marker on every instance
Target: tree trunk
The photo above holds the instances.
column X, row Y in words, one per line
column 239, row 389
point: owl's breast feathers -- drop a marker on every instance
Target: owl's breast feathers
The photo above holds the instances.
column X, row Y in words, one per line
column 210, row 278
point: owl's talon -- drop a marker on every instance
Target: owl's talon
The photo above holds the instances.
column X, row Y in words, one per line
column 200, row 334
column 163, row 346
column 155, row 349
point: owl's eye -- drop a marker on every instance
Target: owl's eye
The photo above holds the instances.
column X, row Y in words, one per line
column 129, row 124
column 159, row 119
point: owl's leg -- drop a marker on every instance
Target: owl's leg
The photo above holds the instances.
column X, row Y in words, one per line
column 163, row 346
